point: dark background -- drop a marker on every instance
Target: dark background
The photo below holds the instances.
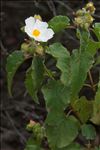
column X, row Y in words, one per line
column 18, row 110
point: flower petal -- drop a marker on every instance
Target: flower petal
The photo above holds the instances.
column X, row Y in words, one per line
column 28, row 31
column 30, row 20
column 41, row 24
column 50, row 33
column 35, row 24
column 45, row 35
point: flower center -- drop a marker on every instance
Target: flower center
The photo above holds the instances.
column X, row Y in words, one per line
column 36, row 32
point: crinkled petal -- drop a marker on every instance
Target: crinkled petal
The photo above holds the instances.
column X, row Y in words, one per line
column 49, row 33
column 28, row 31
column 41, row 24
column 30, row 20
column 45, row 35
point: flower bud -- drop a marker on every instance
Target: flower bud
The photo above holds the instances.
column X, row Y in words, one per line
column 78, row 21
column 83, row 16
column 86, row 25
column 90, row 4
column 31, row 125
column 24, row 47
column 38, row 17
column 22, row 29
column 79, row 12
column 90, row 7
column 28, row 48
column 39, row 50
column 90, row 19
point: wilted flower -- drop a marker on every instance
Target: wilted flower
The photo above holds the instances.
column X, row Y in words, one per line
column 38, row 29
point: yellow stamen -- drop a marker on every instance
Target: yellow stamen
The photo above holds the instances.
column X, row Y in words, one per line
column 36, row 32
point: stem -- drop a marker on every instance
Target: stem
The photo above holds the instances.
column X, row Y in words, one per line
column 71, row 27
column 89, row 145
column 88, row 85
column 49, row 74
column 76, row 114
column 91, row 80
column 69, row 113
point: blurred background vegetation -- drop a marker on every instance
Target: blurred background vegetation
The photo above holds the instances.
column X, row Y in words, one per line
column 18, row 110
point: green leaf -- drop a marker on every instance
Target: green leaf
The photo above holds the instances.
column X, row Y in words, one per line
column 92, row 47
column 80, row 64
column 72, row 146
column 59, row 23
column 87, row 43
column 55, row 95
column 97, row 30
column 32, row 145
column 62, row 133
column 63, row 59
column 73, row 68
column 48, row 72
column 34, row 77
column 53, row 117
column 84, row 37
column 84, row 109
column 97, row 60
column 14, row 60
column 82, row 61
column 96, row 109
column 97, row 148
column 29, row 83
column 56, row 123
column 88, row 131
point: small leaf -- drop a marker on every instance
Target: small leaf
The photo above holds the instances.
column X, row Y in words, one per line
column 32, row 145
column 29, row 83
column 55, row 95
column 92, row 47
column 72, row 146
column 97, row 148
column 59, row 23
column 63, row 59
column 80, row 64
column 48, row 72
column 73, row 68
column 34, row 77
column 84, row 109
column 87, row 43
column 97, row 30
column 88, row 131
column 84, row 37
column 14, row 60
column 62, row 133
column 96, row 109
column 97, row 60
column 81, row 61
column 56, row 123
column 53, row 117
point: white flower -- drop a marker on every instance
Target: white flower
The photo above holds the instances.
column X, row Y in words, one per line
column 38, row 29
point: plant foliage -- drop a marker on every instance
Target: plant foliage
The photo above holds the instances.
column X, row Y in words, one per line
column 68, row 114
